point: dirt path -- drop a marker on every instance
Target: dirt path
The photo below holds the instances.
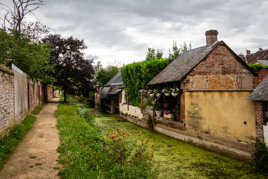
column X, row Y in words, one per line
column 36, row 155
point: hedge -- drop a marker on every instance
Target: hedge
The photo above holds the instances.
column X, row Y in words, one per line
column 257, row 67
column 135, row 77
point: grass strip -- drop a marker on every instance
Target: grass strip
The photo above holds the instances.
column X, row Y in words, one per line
column 10, row 141
column 37, row 110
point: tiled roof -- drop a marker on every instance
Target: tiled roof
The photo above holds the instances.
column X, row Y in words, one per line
column 112, row 87
column 184, row 63
column 261, row 92
column 260, row 55
column 116, row 80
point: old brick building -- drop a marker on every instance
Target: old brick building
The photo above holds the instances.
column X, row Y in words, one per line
column 261, row 56
column 214, row 107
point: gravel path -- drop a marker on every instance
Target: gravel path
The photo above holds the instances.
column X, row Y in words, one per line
column 36, row 155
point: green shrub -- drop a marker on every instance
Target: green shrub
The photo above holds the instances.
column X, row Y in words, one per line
column 260, row 157
column 9, row 142
column 257, row 67
column 136, row 76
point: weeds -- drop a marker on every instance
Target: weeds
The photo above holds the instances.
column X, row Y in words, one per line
column 9, row 142
column 87, row 153
column 37, row 110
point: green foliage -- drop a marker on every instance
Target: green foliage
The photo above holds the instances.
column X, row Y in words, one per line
column 136, row 76
column 86, row 152
column 9, row 142
column 103, row 75
column 90, row 100
column 154, row 55
column 37, row 110
column 32, row 58
column 178, row 51
column 257, row 67
column 260, row 157
column 148, row 102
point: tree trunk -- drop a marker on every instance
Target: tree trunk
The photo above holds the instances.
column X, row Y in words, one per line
column 65, row 96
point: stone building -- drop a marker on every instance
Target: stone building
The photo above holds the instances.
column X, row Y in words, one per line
column 260, row 96
column 261, row 57
column 110, row 95
column 214, row 109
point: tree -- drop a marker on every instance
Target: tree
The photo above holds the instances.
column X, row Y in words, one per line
column 30, row 57
column 152, row 54
column 105, row 74
column 159, row 54
column 13, row 18
column 178, row 51
column 72, row 72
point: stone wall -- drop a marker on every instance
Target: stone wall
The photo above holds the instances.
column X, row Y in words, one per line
column 133, row 113
column 6, row 99
column 18, row 96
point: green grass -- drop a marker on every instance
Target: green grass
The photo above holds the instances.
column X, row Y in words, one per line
column 85, row 153
column 37, row 110
column 81, row 150
column 176, row 159
column 9, row 142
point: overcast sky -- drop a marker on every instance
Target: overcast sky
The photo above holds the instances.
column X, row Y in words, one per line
column 120, row 31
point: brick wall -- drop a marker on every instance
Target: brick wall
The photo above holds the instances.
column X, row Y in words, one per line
column 261, row 75
column 6, row 99
column 259, row 120
column 18, row 96
column 220, row 71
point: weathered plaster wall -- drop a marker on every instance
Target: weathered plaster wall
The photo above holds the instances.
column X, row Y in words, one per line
column 220, row 71
column 133, row 113
column 130, row 110
column 21, row 93
column 225, row 115
column 6, row 100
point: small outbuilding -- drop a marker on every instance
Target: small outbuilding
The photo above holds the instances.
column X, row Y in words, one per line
column 260, row 96
column 110, row 94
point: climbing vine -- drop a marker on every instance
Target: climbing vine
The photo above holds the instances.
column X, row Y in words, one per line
column 136, row 76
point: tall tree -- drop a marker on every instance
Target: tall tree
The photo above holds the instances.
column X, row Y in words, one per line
column 153, row 54
column 72, row 72
column 14, row 16
column 150, row 54
column 30, row 57
column 105, row 74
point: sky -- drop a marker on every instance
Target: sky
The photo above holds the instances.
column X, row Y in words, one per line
column 119, row 32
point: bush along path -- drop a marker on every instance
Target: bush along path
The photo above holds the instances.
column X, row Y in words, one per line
column 102, row 146
column 36, row 155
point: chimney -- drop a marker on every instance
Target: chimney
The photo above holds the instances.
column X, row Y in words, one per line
column 248, row 52
column 211, row 37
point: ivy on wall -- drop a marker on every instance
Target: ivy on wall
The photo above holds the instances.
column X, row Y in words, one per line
column 136, row 76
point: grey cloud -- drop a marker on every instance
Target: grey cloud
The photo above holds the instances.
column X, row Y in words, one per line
column 103, row 23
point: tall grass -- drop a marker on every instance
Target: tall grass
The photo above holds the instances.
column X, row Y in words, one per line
column 86, row 153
